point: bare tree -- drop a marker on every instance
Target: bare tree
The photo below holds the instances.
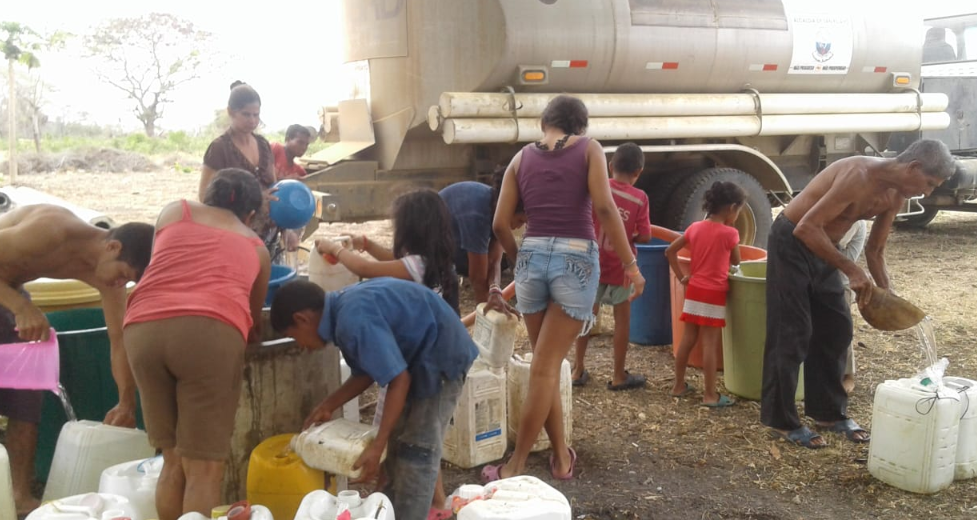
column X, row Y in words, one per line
column 147, row 58
column 18, row 45
column 31, row 94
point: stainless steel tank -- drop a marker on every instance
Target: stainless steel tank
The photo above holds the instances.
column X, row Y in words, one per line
column 421, row 48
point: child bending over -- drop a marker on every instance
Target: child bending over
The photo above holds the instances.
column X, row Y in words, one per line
column 402, row 336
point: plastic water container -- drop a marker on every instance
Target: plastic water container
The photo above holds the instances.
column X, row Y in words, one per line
column 6, row 487
column 494, row 335
column 31, row 366
column 322, row 505
column 914, row 436
column 136, row 480
column 335, row 446
column 280, row 275
column 745, row 334
column 650, row 312
column 295, row 206
column 518, row 390
column 518, row 498
column 476, row 434
column 966, row 465
column 329, row 276
column 351, row 410
column 278, row 479
column 87, row 506
column 85, row 449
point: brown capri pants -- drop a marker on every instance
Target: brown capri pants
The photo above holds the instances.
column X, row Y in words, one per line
column 189, row 372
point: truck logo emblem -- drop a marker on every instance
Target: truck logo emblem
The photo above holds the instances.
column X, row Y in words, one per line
column 822, row 48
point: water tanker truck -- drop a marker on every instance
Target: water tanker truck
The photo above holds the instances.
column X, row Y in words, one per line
column 765, row 93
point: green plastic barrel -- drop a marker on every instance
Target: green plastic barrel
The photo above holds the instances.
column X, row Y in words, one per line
column 746, row 333
column 86, row 374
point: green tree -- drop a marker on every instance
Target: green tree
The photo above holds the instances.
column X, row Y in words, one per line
column 19, row 45
column 147, row 58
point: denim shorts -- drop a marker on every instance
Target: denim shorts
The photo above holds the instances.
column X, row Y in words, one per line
column 562, row 270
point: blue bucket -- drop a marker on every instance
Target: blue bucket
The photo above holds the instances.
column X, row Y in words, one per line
column 651, row 313
column 280, row 275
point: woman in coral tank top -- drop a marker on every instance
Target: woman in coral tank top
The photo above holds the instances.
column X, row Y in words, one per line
column 185, row 330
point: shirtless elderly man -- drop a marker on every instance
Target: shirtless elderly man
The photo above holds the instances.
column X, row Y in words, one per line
column 50, row 241
column 808, row 318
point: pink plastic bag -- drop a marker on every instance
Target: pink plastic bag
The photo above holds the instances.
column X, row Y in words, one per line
column 31, row 366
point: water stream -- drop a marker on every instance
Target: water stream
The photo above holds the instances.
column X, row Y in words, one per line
column 66, row 403
column 927, row 341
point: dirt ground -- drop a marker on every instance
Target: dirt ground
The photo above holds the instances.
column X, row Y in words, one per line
column 644, row 454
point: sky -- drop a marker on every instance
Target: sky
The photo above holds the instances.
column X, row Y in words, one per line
column 290, row 52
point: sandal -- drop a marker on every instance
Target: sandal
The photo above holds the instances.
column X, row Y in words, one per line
column 630, row 382
column 723, row 402
column 582, row 380
column 439, row 514
column 688, row 390
column 491, row 473
column 573, row 464
column 849, row 428
column 802, row 436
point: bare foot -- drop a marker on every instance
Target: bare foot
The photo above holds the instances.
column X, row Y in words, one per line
column 26, row 504
column 848, row 381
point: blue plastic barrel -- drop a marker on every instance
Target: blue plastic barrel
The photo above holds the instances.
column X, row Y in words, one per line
column 651, row 313
column 280, row 275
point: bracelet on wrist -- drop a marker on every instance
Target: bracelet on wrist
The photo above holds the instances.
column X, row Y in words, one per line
column 366, row 241
column 634, row 261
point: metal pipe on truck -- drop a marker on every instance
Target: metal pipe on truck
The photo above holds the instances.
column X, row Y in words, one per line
column 493, row 104
column 496, row 130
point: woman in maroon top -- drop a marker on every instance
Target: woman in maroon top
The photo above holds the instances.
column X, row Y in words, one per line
column 240, row 147
column 558, row 180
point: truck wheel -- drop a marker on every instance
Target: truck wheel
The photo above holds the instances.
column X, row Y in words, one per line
column 754, row 221
column 660, row 192
column 918, row 221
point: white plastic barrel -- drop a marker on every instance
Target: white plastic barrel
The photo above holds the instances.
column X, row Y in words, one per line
column 517, row 498
column 518, row 393
column 87, row 506
column 331, row 277
column 477, row 432
column 136, row 480
column 6, row 487
column 494, row 335
column 322, row 505
column 85, row 449
column 335, row 446
column 351, row 410
column 966, row 465
column 914, row 436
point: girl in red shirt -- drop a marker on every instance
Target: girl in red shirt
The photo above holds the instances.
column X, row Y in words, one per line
column 713, row 243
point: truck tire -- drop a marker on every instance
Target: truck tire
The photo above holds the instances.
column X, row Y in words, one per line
column 685, row 206
column 660, row 192
column 918, row 221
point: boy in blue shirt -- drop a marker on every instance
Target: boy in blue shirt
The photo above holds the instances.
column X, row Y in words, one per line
column 396, row 333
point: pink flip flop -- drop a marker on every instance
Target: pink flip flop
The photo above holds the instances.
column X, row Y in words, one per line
column 439, row 514
column 569, row 474
column 490, row 473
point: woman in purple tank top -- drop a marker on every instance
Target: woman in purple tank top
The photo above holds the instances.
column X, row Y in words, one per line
column 561, row 181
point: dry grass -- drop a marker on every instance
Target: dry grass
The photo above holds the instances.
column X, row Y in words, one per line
column 644, row 454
